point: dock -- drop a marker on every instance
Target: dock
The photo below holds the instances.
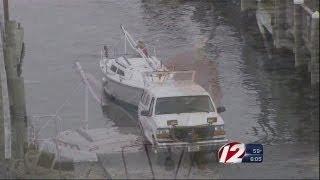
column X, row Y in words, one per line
column 293, row 25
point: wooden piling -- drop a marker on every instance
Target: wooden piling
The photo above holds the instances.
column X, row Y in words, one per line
column 2, row 135
column 6, row 11
column 279, row 30
column 4, row 106
column 13, row 48
column 298, row 39
column 315, row 48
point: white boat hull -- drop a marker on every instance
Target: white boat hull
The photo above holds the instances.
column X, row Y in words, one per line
column 122, row 92
column 124, row 76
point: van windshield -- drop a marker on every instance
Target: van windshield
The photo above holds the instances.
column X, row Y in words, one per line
column 183, row 104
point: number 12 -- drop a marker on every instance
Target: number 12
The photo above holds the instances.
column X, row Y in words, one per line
column 240, row 148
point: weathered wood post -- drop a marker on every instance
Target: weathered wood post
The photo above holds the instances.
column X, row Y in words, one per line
column 279, row 31
column 2, row 135
column 298, row 40
column 2, row 84
column 315, row 48
column 13, row 49
column 261, row 18
column 5, row 99
column 2, row 118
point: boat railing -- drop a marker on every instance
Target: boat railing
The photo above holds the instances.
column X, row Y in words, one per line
column 162, row 77
column 115, row 54
column 153, row 49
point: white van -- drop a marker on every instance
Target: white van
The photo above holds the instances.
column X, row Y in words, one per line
column 180, row 115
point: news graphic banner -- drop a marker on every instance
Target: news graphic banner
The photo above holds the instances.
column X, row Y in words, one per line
column 235, row 152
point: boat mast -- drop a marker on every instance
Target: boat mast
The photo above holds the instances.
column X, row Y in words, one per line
column 133, row 44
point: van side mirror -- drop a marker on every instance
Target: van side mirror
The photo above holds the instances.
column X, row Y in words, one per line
column 221, row 109
column 144, row 113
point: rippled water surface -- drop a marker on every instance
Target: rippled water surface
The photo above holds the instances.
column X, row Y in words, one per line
column 273, row 106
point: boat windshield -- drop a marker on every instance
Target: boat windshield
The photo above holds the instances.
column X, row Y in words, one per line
column 183, row 104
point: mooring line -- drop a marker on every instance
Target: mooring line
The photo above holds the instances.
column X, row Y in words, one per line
column 85, row 80
column 149, row 160
column 192, row 159
column 123, row 157
column 124, row 162
column 179, row 163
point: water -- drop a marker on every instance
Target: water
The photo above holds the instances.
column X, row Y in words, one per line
column 273, row 106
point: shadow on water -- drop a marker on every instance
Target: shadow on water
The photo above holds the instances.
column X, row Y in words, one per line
column 122, row 115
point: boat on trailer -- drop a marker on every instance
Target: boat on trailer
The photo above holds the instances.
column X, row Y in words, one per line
column 123, row 73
